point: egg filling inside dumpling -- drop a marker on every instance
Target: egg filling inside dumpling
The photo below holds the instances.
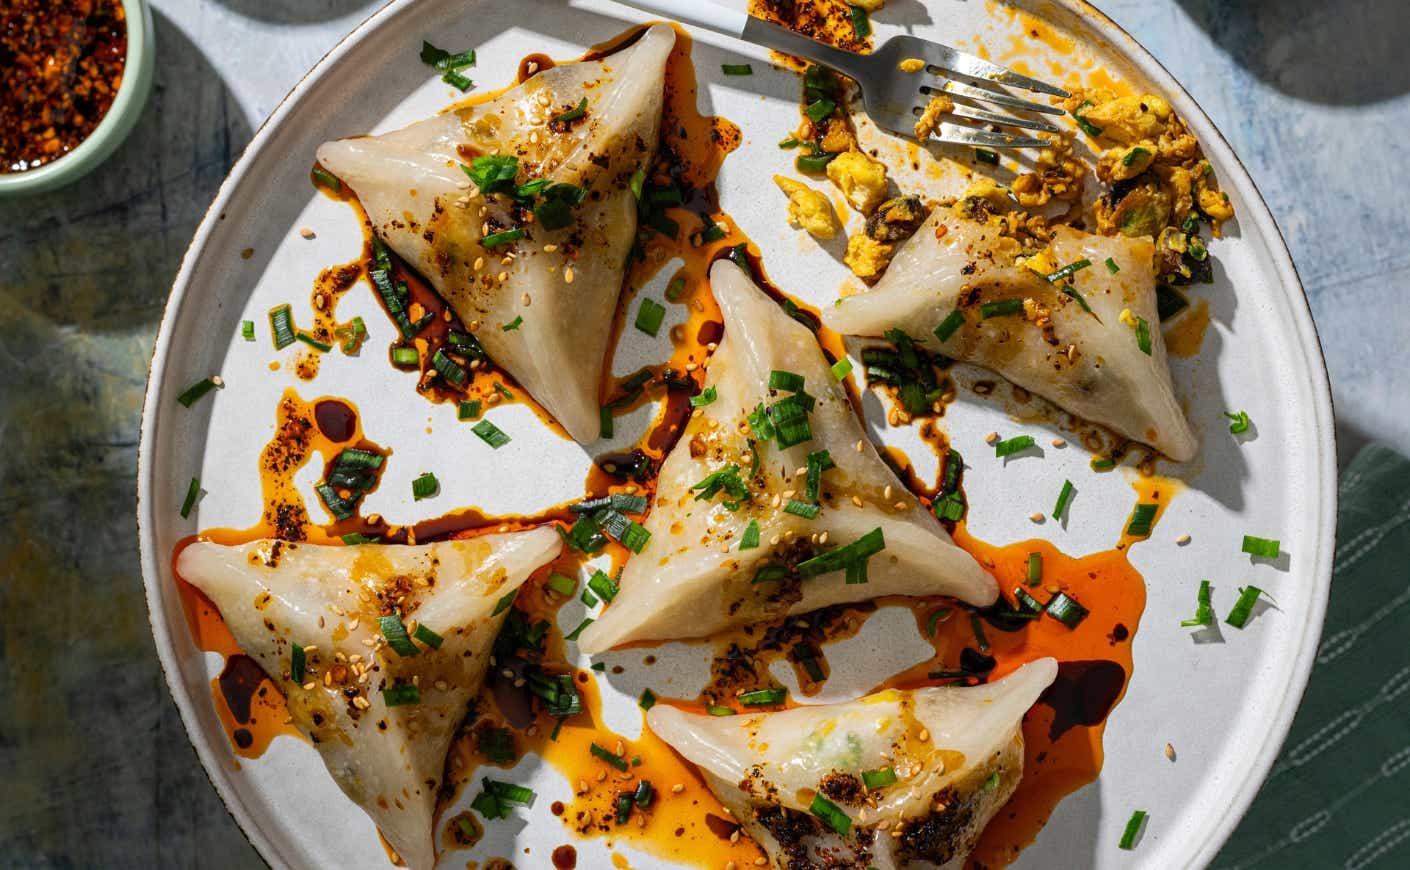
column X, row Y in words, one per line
column 774, row 501
column 531, row 253
column 377, row 648
column 1088, row 340
column 895, row 779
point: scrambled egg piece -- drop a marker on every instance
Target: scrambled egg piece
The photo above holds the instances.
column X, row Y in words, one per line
column 1127, row 318
column 981, row 199
column 861, row 179
column 866, row 257
column 912, row 65
column 838, row 139
column 1123, row 162
column 1130, row 119
column 929, row 120
column 1212, row 201
column 869, row 5
column 1041, row 263
column 808, row 209
column 1058, row 175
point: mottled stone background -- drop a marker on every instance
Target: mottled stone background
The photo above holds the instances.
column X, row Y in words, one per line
column 96, row 768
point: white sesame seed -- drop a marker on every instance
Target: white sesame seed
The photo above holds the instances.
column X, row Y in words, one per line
column 306, row 232
column 1036, row 517
column 1170, row 752
column 1059, row 442
column 1183, row 539
column 991, row 437
column 568, row 275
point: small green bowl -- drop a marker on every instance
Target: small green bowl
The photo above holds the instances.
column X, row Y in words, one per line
column 116, row 124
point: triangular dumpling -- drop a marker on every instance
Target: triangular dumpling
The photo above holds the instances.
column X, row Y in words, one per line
column 956, row 755
column 696, row 575
column 389, row 758
column 1088, row 363
column 562, row 282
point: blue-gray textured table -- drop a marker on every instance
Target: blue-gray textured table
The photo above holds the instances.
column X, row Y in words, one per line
column 1312, row 93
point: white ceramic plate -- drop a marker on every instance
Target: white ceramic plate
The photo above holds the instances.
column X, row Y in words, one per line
column 1226, row 706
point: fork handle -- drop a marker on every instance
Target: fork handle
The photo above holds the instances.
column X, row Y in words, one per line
column 741, row 25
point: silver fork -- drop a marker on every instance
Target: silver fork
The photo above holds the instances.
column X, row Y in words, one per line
column 894, row 98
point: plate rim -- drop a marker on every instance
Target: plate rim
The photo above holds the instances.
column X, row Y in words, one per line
column 1289, row 284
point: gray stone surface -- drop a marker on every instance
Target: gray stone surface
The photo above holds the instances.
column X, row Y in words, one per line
column 1312, row 93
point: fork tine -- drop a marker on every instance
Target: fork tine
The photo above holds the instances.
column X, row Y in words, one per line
column 957, row 135
column 967, row 64
column 960, row 89
column 1007, row 120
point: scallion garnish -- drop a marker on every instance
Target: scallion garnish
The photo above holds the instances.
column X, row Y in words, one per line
column 1064, row 499
column 717, row 710
column 1142, row 518
column 600, row 583
column 573, row 635
column 1133, row 830
column 424, row 486
column 585, row 536
column 572, row 114
column 405, row 357
column 457, row 81
column 649, row 317
column 1238, row 422
column 443, row 60
column 879, row 778
column 1111, row 266
column 1035, row 569
column 1204, row 607
column 801, row 509
column 841, row 369
column 1087, row 126
column 856, row 552
column 1143, row 335
column 1065, row 609
column 737, row 69
column 750, row 539
column 623, row 502
column 427, row 636
column 561, row 583
column 494, row 240
column 493, row 173
column 1000, row 308
column 609, row 756
column 469, row 410
column 648, row 699
column 819, row 110
column 401, row 695
column 191, row 394
column 1243, row 608
column 984, row 155
column 281, row 321
column 587, row 598
column 247, row 330
column 818, row 462
column 976, row 624
column 763, row 697
column 706, row 396
column 394, row 630
column 448, row 368
column 503, row 391
column 952, row 322
column 831, row 814
column 991, row 782
column 1010, row 446
column 1027, row 604
column 491, row 434
column 312, row 341
column 193, row 492
column 814, row 162
column 1067, row 271
column 790, row 142
column 513, row 324
column 1267, row 548
column 354, row 538
column 787, row 381
column 298, row 661
column 861, row 24
column 634, row 537
column 505, row 602
column 327, row 179
column 937, row 616
column 1103, row 463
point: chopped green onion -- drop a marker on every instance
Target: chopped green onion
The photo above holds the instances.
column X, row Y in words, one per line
column 1103, row 463
column 1204, row 608
column 813, row 162
column 469, row 410
column 1143, row 335
column 879, row 778
column 624, row 807
column 196, row 391
column 831, row 814
column 861, row 24
column 786, row 381
column 1027, row 604
column 504, row 602
column 1239, row 422
column 984, row 155
column 618, row 501
column 449, row 368
column 353, row 538
column 705, row 397
column 1197, row 248
column 1069, row 290
column 1064, row 499
column 405, row 357
column 424, row 486
column 247, row 330
column 394, row 630
column 768, row 573
column 951, row 323
column 939, row 615
column 789, row 417
column 327, row 179
column 801, row 509
column 737, row 69
column 572, row 114
column 860, row 550
column 587, row 598
column 503, row 391
column 763, row 697
column 717, row 710
column 1130, row 157
column 341, row 508
column 298, row 661
column 606, row 423
column 634, row 537
column 1087, row 126
column 750, row 539
column 1066, row 609
column 1267, row 548
column 644, row 794
column 573, row 635
column 820, row 110
column 513, row 324
column 600, row 583
column 491, row 434
column 1035, row 569
column 193, row 492
column 561, row 583
column 675, row 290
column 992, row 781
column 457, row 81
column 648, row 699
column 1133, row 830
column 649, row 316
column 1243, row 608
column 493, row 172
column 949, row 507
column 1000, row 308
column 1010, row 446
column 1067, row 271
column 1142, row 518
column 790, row 142
column 1111, row 265
column 401, row 695
column 443, row 60
column 427, row 636
column 509, row 793
column 841, row 369
column 977, row 626
column 608, row 756
column 818, row 462
column 585, row 536
column 494, row 240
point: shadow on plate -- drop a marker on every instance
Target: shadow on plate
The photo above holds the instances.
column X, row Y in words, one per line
column 1337, row 53
column 102, row 771
column 300, row 11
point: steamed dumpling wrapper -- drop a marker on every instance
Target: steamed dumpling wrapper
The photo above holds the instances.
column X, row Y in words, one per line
column 1089, row 364
column 564, row 280
column 956, row 754
column 384, row 738
column 698, row 573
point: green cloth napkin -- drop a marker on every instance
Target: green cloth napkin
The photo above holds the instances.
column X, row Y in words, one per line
column 1339, row 794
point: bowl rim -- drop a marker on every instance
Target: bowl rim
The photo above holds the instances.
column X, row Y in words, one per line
column 116, row 124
